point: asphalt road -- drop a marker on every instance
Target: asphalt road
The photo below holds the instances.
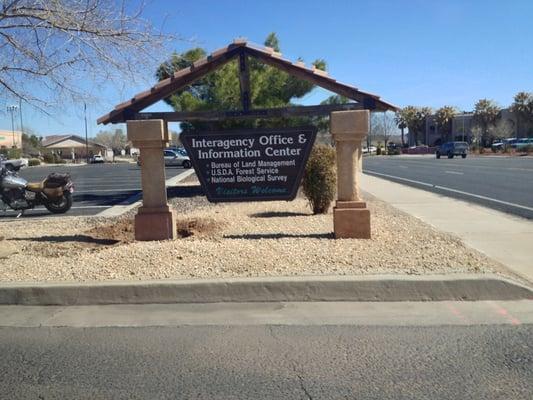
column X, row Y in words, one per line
column 328, row 350
column 502, row 183
column 96, row 187
column 268, row 362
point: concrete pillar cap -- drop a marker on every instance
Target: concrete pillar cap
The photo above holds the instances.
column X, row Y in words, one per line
column 344, row 124
column 149, row 130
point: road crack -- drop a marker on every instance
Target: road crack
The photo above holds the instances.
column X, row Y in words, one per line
column 292, row 362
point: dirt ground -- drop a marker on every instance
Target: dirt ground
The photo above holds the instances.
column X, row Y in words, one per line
column 229, row 240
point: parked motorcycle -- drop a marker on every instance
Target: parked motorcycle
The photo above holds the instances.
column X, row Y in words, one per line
column 55, row 192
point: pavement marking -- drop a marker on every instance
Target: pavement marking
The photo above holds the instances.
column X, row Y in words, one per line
column 447, row 162
column 42, row 208
column 504, row 313
column 107, row 190
column 454, row 172
column 135, row 200
column 400, row 178
column 520, row 169
column 81, row 207
column 477, row 196
column 456, row 312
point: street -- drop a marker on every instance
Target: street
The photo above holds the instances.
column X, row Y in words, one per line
column 502, row 183
column 96, row 187
column 441, row 350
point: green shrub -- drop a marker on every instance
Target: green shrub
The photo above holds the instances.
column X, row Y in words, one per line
column 11, row 154
column 320, row 178
column 49, row 158
column 32, row 162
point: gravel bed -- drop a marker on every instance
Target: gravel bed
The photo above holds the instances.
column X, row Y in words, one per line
column 231, row 240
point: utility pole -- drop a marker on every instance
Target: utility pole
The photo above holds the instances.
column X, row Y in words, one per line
column 463, row 126
column 12, row 109
column 86, row 138
column 21, row 126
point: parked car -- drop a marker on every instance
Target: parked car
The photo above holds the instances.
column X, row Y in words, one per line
column 173, row 158
column 372, row 149
column 452, row 149
column 503, row 144
column 97, row 159
column 181, row 151
column 523, row 143
column 394, row 148
column 14, row 164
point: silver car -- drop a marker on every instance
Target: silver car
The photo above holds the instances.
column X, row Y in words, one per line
column 173, row 158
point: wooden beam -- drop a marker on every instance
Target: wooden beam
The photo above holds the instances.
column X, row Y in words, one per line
column 173, row 85
column 284, row 112
column 244, row 80
column 318, row 79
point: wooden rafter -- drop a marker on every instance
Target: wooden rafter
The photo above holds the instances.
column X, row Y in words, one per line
column 282, row 112
column 242, row 50
column 244, row 81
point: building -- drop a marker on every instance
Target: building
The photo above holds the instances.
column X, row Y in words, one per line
column 8, row 140
column 463, row 123
column 71, row 146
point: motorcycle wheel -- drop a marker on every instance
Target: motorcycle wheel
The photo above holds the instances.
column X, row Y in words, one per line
column 61, row 205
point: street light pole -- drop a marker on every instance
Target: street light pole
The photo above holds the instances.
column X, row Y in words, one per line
column 86, row 139
column 21, row 126
column 463, row 126
column 12, row 110
column 20, row 115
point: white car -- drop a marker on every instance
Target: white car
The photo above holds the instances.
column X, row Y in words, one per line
column 14, row 164
column 373, row 149
column 97, row 159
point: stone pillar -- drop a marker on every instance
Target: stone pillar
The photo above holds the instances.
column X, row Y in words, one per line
column 351, row 217
column 154, row 220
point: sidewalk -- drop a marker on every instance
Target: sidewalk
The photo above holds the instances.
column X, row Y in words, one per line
column 500, row 236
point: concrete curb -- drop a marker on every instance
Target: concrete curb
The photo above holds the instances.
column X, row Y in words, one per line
column 462, row 287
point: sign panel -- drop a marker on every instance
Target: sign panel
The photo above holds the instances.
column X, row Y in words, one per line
column 253, row 165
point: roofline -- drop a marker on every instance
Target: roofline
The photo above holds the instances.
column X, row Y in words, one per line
column 223, row 55
column 66, row 137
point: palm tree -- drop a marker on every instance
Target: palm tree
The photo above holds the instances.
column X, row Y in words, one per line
column 523, row 108
column 486, row 113
column 421, row 116
column 401, row 123
column 443, row 119
column 415, row 119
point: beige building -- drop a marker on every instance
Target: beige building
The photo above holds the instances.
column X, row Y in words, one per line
column 71, row 146
column 8, row 140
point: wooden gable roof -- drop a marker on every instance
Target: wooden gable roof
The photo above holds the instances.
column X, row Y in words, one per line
column 186, row 76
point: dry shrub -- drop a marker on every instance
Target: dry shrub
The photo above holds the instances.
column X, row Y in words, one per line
column 320, row 178
column 197, row 227
column 122, row 231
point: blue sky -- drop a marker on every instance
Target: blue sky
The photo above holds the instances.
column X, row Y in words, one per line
column 429, row 53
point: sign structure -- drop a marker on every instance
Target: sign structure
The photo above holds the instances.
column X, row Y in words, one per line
column 251, row 165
